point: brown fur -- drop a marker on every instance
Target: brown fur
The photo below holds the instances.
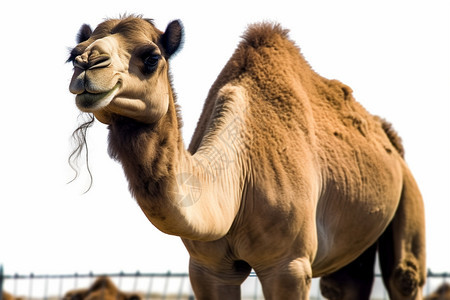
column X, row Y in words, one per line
column 8, row 296
column 286, row 173
column 441, row 293
column 393, row 137
column 102, row 289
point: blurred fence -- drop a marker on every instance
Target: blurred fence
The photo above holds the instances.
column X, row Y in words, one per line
column 155, row 285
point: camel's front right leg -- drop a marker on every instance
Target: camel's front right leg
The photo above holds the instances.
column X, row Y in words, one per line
column 217, row 285
column 286, row 280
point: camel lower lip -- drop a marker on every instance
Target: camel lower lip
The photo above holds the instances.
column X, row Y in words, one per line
column 90, row 102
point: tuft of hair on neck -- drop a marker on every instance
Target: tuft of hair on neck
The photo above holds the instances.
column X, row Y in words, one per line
column 80, row 141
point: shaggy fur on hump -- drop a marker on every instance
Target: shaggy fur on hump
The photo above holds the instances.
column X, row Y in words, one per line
column 395, row 139
column 264, row 34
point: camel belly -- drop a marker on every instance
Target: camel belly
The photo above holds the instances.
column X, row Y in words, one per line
column 350, row 219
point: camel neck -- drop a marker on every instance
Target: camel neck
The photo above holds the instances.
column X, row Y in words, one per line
column 195, row 196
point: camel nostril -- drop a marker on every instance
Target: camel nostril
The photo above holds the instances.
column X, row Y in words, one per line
column 100, row 61
column 80, row 63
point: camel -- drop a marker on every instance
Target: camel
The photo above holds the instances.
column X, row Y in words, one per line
column 8, row 296
column 286, row 173
column 441, row 293
column 102, row 289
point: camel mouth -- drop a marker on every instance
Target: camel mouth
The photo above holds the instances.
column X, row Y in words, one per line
column 90, row 102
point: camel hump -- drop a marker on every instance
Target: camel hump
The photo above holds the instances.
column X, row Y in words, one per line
column 264, row 34
column 393, row 136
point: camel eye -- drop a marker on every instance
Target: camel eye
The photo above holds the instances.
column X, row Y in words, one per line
column 151, row 63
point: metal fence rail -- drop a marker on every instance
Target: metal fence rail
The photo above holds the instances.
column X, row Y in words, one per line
column 51, row 286
column 154, row 285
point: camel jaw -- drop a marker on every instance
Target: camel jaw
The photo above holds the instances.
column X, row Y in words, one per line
column 91, row 102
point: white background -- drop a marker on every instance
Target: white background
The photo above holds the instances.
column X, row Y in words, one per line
column 393, row 54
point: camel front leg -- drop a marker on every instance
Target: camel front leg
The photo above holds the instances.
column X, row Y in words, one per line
column 216, row 285
column 286, row 280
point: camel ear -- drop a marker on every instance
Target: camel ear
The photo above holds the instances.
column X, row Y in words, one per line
column 84, row 33
column 172, row 37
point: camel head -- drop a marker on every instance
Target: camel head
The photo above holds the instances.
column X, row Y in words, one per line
column 121, row 68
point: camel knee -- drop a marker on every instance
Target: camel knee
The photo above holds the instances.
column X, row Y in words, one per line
column 297, row 271
column 287, row 280
column 406, row 280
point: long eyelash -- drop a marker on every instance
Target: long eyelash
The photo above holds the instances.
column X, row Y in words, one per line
column 70, row 59
column 74, row 52
column 72, row 55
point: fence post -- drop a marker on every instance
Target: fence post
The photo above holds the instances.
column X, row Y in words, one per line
column 1, row 282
